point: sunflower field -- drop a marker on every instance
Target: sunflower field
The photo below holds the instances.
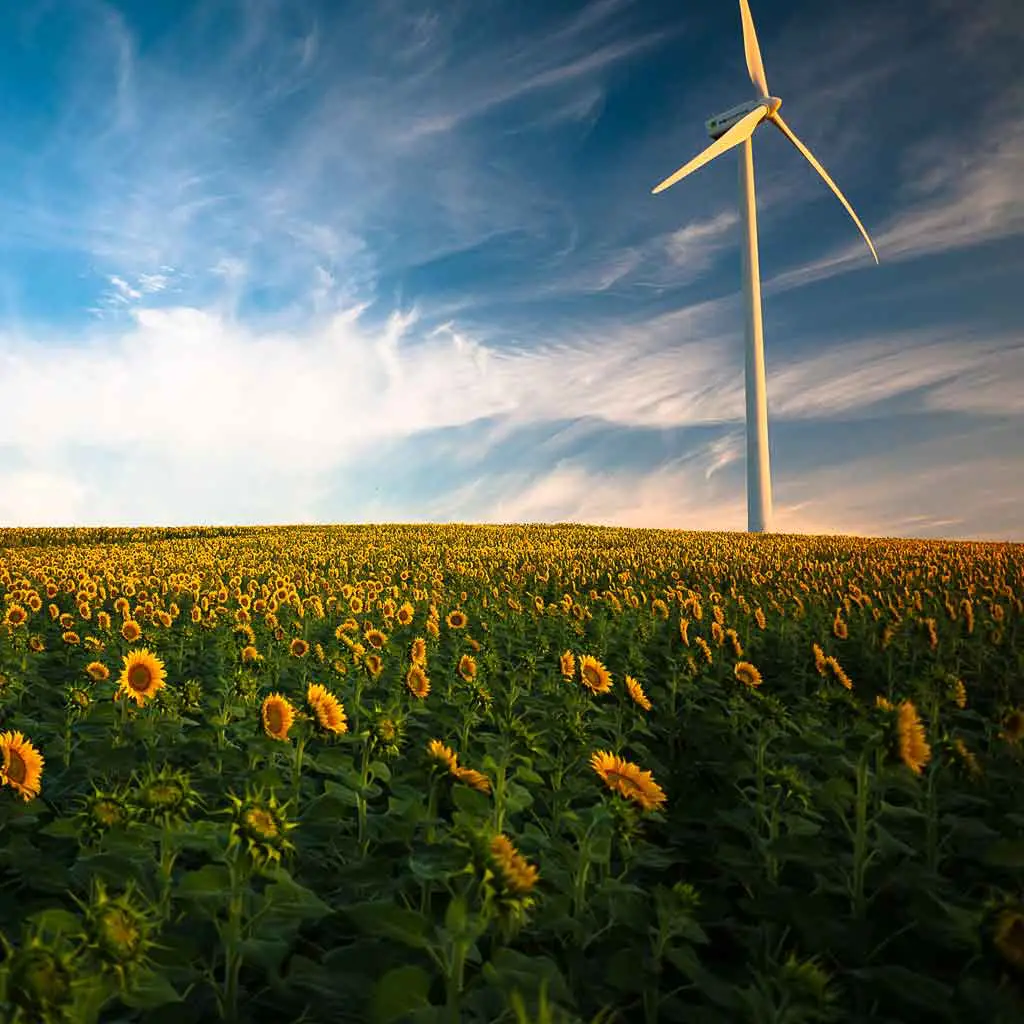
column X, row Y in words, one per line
column 511, row 774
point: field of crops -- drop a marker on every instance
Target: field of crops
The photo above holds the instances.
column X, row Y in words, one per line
column 520, row 774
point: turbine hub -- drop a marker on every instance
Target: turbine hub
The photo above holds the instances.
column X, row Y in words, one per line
column 773, row 103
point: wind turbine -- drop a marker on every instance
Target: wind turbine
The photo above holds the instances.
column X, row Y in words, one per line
column 733, row 128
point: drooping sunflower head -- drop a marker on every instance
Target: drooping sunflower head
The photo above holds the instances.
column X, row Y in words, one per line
column 417, row 682
column 327, row 709
column 442, row 755
column 595, row 677
column 567, row 664
column 418, row 651
column 278, row 716
column 22, row 767
column 467, row 667
column 471, row 777
column 636, row 693
column 517, row 874
column 913, row 746
column 41, row 979
column 627, row 779
column 142, row 676
column 747, row 674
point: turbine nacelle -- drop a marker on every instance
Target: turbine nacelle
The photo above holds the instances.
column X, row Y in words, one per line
column 718, row 125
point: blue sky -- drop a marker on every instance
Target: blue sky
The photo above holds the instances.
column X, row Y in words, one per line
column 271, row 262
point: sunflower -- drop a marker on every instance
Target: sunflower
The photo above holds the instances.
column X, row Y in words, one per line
column 376, row 639
column 417, row 682
column 298, row 648
column 967, row 759
column 959, row 693
column 759, row 618
column 517, row 874
column 22, row 765
column 914, row 749
column 442, row 755
column 405, row 614
column 567, row 663
column 278, row 716
column 456, row 619
column 467, row 667
column 684, row 625
column 837, row 671
column 329, row 712
column 1013, row 726
column 636, row 691
column 471, row 777
column 97, row 671
column 1009, row 937
column 131, row 630
column 15, row 616
column 626, row 778
column 374, row 664
column 747, row 674
column 143, row 674
column 418, row 652
column 819, row 659
column 596, row 678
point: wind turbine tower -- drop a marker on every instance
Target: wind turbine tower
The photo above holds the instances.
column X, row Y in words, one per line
column 733, row 128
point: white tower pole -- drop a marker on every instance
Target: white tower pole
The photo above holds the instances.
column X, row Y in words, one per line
column 759, row 479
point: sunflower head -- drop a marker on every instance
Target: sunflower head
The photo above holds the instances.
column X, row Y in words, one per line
column 442, row 755
column 914, row 750
column 41, row 979
column 278, row 716
column 467, row 667
column 628, row 780
column 119, row 930
column 142, row 676
column 1013, row 726
column 327, row 709
column 165, row 795
column 260, row 827
column 595, row 677
column 22, row 767
column 417, row 682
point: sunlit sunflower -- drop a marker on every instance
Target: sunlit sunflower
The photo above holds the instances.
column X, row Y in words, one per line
column 278, row 716
column 517, row 874
column 418, row 652
column 330, row 714
column 837, row 671
column 376, row 639
column 636, row 691
column 298, row 648
column 967, row 758
column 456, row 619
column 405, row 614
column 914, row 749
column 819, row 659
column 567, row 663
column 22, row 765
column 142, row 676
column 884, row 704
column 97, row 671
column 747, row 674
column 471, row 777
column 131, row 630
column 628, row 779
column 442, row 755
column 417, row 682
column 467, row 667
column 15, row 616
column 684, row 625
column 595, row 677
column 959, row 693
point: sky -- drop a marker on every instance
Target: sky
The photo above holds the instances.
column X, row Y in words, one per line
column 287, row 261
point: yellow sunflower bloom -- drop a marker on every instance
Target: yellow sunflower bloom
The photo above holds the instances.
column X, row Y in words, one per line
column 142, row 676
column 22, row 765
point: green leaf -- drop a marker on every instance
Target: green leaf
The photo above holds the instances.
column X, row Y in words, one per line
column 286, row 900
column 268, row 954
column 400, row 992
column 150, row 991
column 378, row 917
column 909, row 986
column 210, row 882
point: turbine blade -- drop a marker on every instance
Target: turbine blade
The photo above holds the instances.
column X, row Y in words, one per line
column 753, row 52
column 776, row 119
column 739, row 132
